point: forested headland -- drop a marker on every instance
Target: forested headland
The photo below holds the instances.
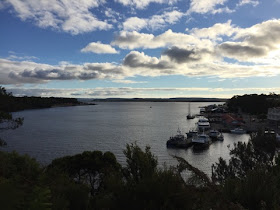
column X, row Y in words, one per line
column 253, row 103
column 10, row 103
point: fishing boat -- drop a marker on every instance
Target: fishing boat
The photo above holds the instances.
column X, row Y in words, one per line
column 178, row 141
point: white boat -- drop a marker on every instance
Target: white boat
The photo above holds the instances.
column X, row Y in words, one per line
column 190, row 116
column 203, row 124
column 238, row 131
column 202, row 110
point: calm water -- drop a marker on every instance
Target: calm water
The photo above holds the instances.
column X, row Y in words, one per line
column 50, row 133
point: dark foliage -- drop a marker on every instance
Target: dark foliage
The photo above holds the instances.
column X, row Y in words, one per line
column 251, row 175
column 254, row 104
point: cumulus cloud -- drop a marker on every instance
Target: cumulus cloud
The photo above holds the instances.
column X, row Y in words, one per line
column 134, row 40
column 134, row 24
column 139, row 60
column 99, row 48
column 144, row 3
column 70, row 16
column 181, row 55
column 241, row 51
column 154, row 23
column 256, row 43
column 18, row 72
column 216, row 31
column 209, row 6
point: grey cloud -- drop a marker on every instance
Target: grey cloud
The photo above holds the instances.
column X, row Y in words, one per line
column 241, row 50
column 137, row 60
column 15, row 72
column 53, row 74
column 180, row 55
column 88, row 76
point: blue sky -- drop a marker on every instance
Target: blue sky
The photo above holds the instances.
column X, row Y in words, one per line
column 132, row 48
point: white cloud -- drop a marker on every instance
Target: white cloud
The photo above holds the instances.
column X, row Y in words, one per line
column 20, row 57
column 133, row 40
column 134, row 24
column 254, row 3
column 73, row 16
column 99, row 48
column 255, row 44
column 154, row 22
column 215, row 32
column 142, row 4
column 192, row 55
column 128, row 81
column 208, row 6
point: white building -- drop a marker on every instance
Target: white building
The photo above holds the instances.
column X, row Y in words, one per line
column 273, row 114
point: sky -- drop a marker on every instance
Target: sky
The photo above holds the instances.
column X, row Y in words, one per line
column 140, row 49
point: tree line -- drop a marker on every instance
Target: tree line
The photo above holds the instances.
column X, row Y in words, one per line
column 10, row 103
column 253, row 103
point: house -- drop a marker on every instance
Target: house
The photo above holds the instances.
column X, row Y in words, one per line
column 231, row 120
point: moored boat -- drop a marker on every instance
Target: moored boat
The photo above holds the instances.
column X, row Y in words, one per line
column 201, row 141
column 178, row 141
column 203, row 124
column 238, row 131
column 190, row 116
column 192, row 133
column 216, row 135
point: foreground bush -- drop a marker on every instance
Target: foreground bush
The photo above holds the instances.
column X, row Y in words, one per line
column 95, row 180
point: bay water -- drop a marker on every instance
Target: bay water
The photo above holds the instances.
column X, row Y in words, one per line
column 108, row 126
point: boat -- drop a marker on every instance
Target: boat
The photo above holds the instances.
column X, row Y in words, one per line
column 202, row 110
column 220, row 137
column 203, row 124
column 238, row 131
column 178, row 141
column 192, row 133
column 216, row 135
column 190, row 116
column 201, row 141
column 277, row 137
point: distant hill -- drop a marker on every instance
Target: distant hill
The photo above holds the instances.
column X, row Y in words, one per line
column 160, row 100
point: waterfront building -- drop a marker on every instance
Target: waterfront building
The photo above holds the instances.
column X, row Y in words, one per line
column 273, row 114
column 273, row 117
